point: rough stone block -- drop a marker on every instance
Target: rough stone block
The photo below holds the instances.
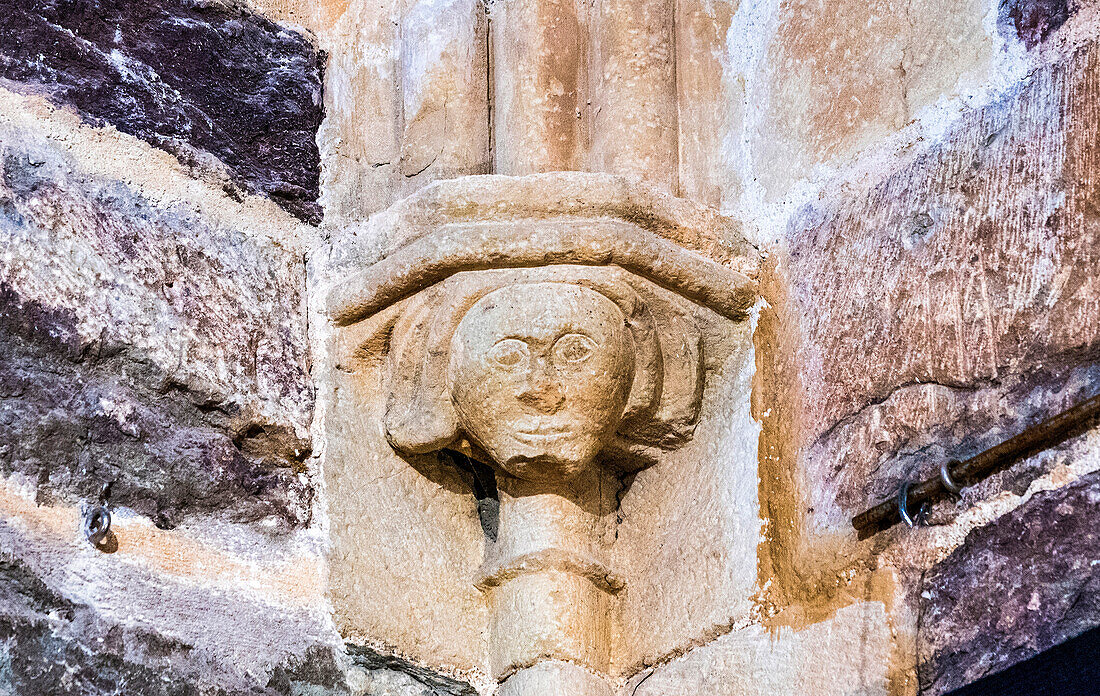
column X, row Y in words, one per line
column 1025, row 583
column 845, row 655
column 146, row 345
column 203, row 80
column 970, row 271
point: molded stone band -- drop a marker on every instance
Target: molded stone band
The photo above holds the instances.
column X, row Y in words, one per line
column 496, row 574
column 455, row 248
column 556, row 195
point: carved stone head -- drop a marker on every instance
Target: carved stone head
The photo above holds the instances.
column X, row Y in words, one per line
column 539, row 376
column 539, row 333
column 538, row 371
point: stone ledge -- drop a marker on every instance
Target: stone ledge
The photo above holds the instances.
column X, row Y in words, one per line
column 211, row 82
column 1024, row 583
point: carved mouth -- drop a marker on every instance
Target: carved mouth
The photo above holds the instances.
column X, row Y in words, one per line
column 541, row 434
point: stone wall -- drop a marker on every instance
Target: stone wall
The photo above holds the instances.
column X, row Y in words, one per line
column 181, row 182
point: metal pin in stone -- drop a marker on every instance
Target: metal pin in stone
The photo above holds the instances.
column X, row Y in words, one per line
column 97, row 524
column 953, row 487
column 903, row 507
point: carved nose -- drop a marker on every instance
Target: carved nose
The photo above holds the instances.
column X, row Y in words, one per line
column 542, row 394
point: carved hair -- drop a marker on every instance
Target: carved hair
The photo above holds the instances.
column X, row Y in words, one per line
column 663, row 404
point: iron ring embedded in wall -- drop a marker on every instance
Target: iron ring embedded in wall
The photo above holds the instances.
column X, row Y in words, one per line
column 903, row 507
column 97, row 524
column 949, row 483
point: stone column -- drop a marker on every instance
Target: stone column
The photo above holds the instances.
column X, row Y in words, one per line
column 635, row 124
column 550, row 588
column 539, row 63
column 444, row 92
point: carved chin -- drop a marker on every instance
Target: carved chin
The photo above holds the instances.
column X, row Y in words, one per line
column 547, row 461
column 543, row 467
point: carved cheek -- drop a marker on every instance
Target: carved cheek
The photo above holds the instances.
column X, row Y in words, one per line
column 491, row 392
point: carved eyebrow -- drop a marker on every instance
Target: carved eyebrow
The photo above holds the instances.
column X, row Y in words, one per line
column 537, row 340
column 577, row 332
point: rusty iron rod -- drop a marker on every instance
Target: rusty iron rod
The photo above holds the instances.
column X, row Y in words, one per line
column 1047, row 434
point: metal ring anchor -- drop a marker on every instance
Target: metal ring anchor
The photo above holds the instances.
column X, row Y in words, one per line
column 952, row 486
column 97, row 524
column 903, row 507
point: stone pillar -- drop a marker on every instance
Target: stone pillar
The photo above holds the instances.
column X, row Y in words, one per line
column 539, row 64
column 635, row 125
column 549, row 587
column 444, row 91
column 535, row 324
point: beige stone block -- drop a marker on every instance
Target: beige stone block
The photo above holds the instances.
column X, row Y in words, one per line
column 634, row 90
column 710, row 98
column 687, row 542
column 444, row 91
column 406, row 543
column 555, row 679
column 845, row 655
column 536, row 518
column 359, row 140
column 841, row 76
column 540, row 65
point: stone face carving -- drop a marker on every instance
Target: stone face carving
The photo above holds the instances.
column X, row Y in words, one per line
column 539, row 370
column 539, row 376
column 557, row 338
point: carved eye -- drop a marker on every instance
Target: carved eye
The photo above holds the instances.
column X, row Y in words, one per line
column 573, row 348
column 509, row 352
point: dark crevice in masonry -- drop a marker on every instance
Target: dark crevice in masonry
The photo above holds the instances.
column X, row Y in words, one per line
column 483, row 482
column 626, row 480
column 436, row 684
column 179, row 451
column 193, row 78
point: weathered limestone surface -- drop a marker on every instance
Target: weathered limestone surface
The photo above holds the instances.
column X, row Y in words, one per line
column 634, row 96
column 836, row 77
column 406, row 98
column 219, row 86
column 711, row 103
column 444, row 83
column 689, row 527
column 522, row 322
column 103, row 630
column 541, row 95
column 1026, row 582
column 971, row 273
column 425, row 602
column 145, row 345
column 921, row 179
column 358, row 140
column 846, row 654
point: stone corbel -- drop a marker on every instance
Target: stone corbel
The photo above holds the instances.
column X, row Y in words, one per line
column 553, row 328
